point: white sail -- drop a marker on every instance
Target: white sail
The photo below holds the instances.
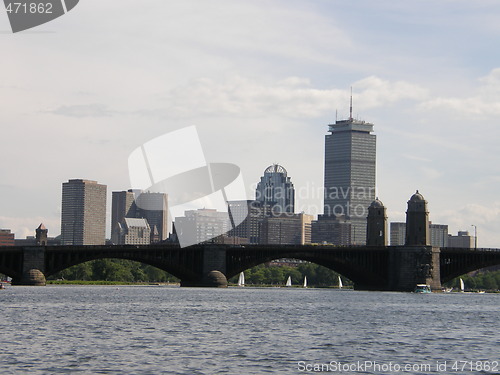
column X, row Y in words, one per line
column 462, row 286
column 340, row 283
column 289, row 281
column 305, row 281
column 241, row 279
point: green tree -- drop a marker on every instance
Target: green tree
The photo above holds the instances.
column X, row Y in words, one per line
column 115, row 270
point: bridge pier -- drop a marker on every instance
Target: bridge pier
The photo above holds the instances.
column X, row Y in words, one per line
column 33, row 267
column 213, row 270
column 412, row 265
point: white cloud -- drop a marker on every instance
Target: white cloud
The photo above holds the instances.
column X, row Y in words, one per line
column 429, row 174
column 25, row 226
column 376, row 92
column 82, row 110
column 486, row 218
column 289, row 97
column 416, row 158
column 485, row 101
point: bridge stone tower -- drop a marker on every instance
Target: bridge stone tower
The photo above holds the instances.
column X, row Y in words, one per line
column 376, row 224
column 41, row 235
column 417, row 221
column 417, row 262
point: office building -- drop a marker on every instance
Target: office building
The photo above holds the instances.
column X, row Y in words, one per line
column 350, row 161
column 134, row 232
column 6, row 237
column 154, row 208
column 332, row 230
column 462, row 239
column 439, row 234
column 250, row 214
column 202, row 225
column 398, row 233
column 276, row 189
column 137, row 204
column 83, row 216
column 286, row 229
column 122, row 206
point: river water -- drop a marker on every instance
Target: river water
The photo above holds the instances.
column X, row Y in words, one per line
column 172, row 330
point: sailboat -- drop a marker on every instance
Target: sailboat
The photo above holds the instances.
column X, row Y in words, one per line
column 289, row 281
column 305, row 281
column 340, row 283
column 241, row 279
column 462, row 286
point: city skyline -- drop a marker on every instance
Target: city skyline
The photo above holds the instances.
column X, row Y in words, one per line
column 425, row 74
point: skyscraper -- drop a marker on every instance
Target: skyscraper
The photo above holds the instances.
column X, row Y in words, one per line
column 83, row 216
column 275, row 188
column 138, row 204
column 122, row 206
column 350, row 161
column 154, row 208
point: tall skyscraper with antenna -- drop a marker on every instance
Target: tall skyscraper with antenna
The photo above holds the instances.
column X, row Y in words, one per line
column 350, row 163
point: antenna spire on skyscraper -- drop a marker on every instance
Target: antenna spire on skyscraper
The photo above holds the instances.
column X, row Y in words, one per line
column 350, row 107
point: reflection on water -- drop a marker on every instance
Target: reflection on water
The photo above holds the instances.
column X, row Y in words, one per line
column 157, row 329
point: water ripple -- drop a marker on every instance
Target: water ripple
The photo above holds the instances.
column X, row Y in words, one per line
column 151, row 330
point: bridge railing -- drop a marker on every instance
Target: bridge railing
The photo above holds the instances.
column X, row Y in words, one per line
column 470, row 249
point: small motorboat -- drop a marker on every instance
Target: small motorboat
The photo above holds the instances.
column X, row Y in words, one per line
column 423, row 288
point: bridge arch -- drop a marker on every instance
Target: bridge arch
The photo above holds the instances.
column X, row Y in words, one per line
column 111, row 269
column 364, row 269
column 278, row 273
column 9, row 272
column 176, row 262
column 11, row 259
column 455, row 262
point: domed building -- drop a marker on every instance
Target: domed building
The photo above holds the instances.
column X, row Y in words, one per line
column 276, row 189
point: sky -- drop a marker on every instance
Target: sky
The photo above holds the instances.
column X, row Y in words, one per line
column 260, row 80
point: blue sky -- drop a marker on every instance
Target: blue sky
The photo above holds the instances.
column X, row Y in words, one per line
column 261, row 80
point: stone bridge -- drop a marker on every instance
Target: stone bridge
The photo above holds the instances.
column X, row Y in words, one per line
column 395, row 268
